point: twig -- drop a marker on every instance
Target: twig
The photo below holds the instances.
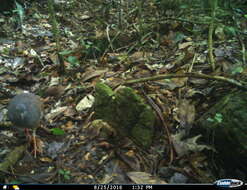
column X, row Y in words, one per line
column 240, row 41
column 157, row 110
column 210, row 34
column 241, row 84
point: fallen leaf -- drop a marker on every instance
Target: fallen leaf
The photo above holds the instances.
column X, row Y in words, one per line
column 85, row 103
column 186, row 114
column 184, row 45
column 183, row 147
column 144, row 178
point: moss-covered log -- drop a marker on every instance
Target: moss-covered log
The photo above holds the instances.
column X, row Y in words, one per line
column 126, row 112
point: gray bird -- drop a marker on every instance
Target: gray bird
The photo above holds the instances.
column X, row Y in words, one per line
column 25, row 111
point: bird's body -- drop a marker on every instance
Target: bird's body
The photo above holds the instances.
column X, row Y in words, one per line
column 25, row 111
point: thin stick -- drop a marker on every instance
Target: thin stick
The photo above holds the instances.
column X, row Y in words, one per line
column 34, row 143
column 241, row 84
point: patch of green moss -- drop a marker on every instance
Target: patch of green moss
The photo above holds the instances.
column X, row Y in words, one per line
column 126, row 112
column 103, row 97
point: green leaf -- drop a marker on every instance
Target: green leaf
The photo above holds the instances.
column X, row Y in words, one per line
column 67, row 172
column 20, row 11
column 65, row 52
column 210, row 119
column 179, row 37
column 237, row 70
column 67, row 177
column 230, row 30
column 184, row 6
column 62, row 172
column 73, row 60
column 218, row 117
column 57, row 131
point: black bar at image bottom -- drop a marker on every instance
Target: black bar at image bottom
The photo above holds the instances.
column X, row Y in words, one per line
column 114, row 187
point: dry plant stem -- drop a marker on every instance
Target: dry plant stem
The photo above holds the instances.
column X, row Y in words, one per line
column 158, row 111
column 183, row 20
column 243, row 49
column 210, row 46
column 192, row 64
column 210, row 33
column 240, row 39
column 34, row 143
column 241, row 85
column 56, row 34
column 108, row 38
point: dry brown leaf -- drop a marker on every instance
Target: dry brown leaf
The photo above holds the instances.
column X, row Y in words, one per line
column 186, row 146
column 88, row 156
column 92, row 74
column 46, row 159
column 105, row 144
column 186, row 114
column 130, row 153
column 144, row 178
column 139, row 56
column 184, row 45
column 180, row 81
column 69, row 125
column 55, row 91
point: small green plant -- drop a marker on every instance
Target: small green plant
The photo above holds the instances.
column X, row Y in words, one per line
column 65, row 174
column 20, row 14
column 89, row 48
column 237, row 70
column 232, row 31
column 57, row 131
column 73, row 61
column 218, row 118
column 65, row 52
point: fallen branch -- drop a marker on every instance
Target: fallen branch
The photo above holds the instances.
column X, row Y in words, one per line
column 241, row 84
